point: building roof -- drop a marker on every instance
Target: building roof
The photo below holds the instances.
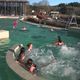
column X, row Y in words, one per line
column 14, row 0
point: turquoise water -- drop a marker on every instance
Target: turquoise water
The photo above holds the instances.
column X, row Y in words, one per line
column 67, row 58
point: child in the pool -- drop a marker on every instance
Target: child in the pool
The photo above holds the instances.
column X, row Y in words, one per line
column 32, row 68
column 15, row 24
column 59, row 42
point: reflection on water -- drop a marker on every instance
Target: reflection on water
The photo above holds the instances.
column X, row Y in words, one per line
column 4, row 41
column 3, row 46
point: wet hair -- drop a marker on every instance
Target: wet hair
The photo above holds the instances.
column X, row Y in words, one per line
column 28, row 45
column 29, row 60
column 59, row 39
column 22, row 49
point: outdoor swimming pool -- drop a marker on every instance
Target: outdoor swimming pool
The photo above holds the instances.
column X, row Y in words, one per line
column 67, row 64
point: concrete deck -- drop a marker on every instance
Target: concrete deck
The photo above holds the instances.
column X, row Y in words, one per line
column 17, row 68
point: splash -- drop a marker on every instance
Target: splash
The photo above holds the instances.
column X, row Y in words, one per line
column 78, row 45
column 65, row 50
column 62, row 67
column 59, row 70
column 68, row 71
column 41, row 56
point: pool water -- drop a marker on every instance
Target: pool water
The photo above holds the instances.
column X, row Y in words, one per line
column 63, row 61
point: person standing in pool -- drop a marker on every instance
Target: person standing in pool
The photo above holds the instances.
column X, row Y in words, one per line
column 21, row 56
column 59, row 42
column 15, row 24
column 29, row 46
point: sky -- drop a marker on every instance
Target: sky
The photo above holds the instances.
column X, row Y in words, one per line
column 55, row 2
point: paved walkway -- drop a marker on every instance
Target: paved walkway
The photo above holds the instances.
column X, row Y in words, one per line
column 11, row 17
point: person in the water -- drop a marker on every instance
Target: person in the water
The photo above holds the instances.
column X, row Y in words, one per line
column 28, row 63
column 59, row 42
column 24, row 29
column 21, row 56
column 29, row 46
column 30, row 66
column 15, row 22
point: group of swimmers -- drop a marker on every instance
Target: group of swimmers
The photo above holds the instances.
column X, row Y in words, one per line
column 29, row 64
column 21, row 57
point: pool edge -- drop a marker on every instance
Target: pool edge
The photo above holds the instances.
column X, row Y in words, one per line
column 10, row 59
